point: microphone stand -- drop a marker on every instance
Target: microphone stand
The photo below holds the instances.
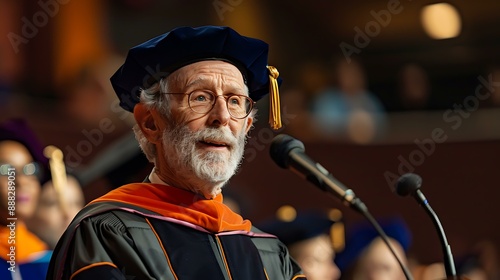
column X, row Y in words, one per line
column 448, row 257
column 282, row 152
column 327, row 183
column 360, row 207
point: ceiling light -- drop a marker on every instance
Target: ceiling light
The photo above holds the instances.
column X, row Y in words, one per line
column 441, row 21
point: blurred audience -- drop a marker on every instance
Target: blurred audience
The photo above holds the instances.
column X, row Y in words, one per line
column 494, row 98
column 472, row 268
column 349, row 111
column 307, row 236
column 51, row 218
column 366, row 256
column 339, row 108
column 414, row 88
column 309, row 80
column 88, row 95
column 23, row 254
column 434, row 271
column 480, row 263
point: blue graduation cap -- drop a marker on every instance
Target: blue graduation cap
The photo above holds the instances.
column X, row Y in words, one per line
column 306, row 225
column 156, row 58
column 360, row 236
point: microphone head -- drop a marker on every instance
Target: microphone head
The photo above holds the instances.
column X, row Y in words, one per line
column 408, row 184
column 281, row 147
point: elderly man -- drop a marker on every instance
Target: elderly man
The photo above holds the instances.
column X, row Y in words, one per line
column 197, row 89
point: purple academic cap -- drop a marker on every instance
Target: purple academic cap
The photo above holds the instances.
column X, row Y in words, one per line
column 19, row 131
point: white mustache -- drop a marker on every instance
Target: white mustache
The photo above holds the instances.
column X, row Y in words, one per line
column 211, row 134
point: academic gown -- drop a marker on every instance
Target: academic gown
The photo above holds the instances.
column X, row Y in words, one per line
column 154, row 231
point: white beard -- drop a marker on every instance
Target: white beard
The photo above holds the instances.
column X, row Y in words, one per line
column 212, row 168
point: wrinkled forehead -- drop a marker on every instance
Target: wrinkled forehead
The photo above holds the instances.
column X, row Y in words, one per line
column 206, row 72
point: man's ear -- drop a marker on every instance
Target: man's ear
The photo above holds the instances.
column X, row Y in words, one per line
column 147, row 123
column 249, row 124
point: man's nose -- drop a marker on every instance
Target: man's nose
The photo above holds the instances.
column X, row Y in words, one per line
column 219, row 115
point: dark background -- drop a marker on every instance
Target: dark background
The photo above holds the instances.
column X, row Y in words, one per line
column 58, row 81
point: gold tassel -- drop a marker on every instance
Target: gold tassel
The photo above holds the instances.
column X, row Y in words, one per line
column 274, row 99
column 58, row 173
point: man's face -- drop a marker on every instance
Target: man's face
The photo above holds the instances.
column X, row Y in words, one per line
column 209, row 146
column 27, row 187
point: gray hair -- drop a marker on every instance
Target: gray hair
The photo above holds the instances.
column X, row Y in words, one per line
column 153, row 98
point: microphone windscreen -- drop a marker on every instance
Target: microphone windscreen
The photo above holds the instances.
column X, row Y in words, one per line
column 281, row 146
column 408, row 184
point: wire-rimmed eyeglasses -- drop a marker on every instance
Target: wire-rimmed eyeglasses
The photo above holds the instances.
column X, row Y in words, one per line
column 203, row 101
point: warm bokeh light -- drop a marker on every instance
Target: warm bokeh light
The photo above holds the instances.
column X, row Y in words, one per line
column 337, row 235
column 286, row 213
column 337, row 230
column 335, row 214
column 441, row 21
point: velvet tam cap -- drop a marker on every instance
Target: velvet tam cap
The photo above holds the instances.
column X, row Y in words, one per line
column 158, row 57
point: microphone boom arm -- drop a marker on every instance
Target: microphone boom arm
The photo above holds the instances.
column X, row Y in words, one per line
column 449, row 264
column 288, row 153
column 322, row 178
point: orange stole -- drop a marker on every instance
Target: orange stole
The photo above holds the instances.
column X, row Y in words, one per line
column 27, row 245
column 211, row 214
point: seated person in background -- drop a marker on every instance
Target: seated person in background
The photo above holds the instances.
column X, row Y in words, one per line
column 433, row 271
column 481, row 262
column 308, row 239
column 23, row 255
column 349, row 111
column 471, row 267
column 310, row 79
column 414, row 87
column 50, row 219
column 366, row 256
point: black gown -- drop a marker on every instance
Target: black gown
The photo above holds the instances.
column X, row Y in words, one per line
column 119, row 237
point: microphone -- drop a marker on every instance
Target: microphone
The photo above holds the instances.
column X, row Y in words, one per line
column 409, row 184
column 289, row 153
